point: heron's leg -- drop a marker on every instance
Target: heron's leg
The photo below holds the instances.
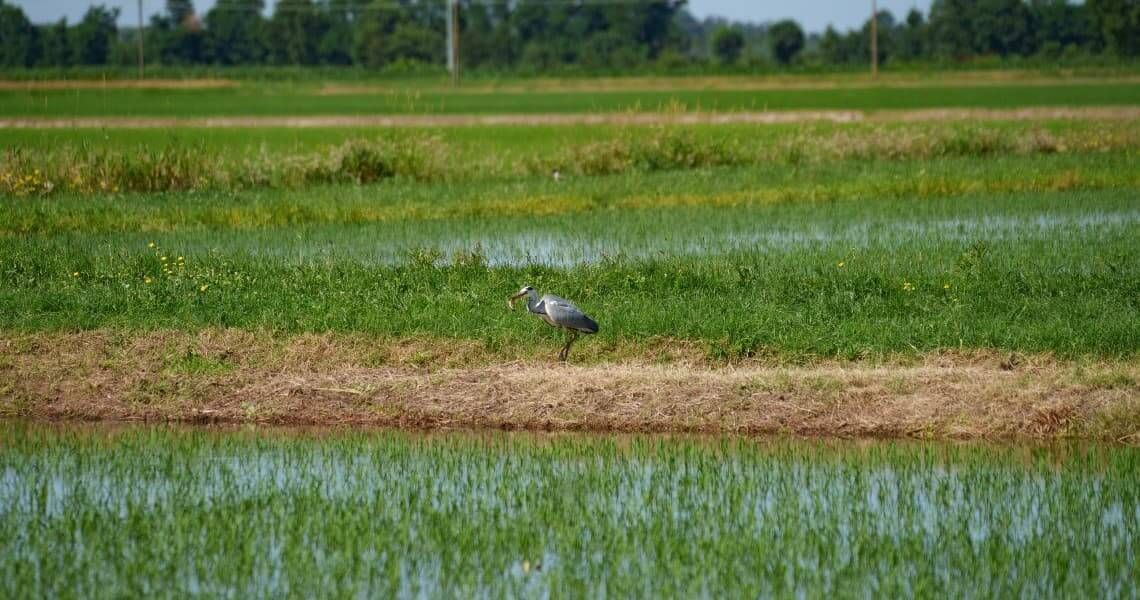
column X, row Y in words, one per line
column 571, row 336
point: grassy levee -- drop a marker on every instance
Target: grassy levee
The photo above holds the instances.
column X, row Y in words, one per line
column 291, row 100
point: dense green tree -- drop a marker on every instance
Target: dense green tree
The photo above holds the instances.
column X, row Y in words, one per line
column 180, row 11
column 93, row 37
column 386, row 35
column 295, row 32
column 1003, row 27
column 1060, row 25
column 886, row 29
column 235, row 32
column 342, row 16
column 728, row 44
column 911, row 37
column 55, row 45
column 952, row 28
column 20, row 46
column 787, row 41
column 177, row 35
column 1118, row 22
column 540, row 36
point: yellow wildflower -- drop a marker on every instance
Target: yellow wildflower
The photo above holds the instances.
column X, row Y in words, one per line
column 147, row 280
column 75, row 274
column 840, row 264
column 150, row 245
column 203, row 287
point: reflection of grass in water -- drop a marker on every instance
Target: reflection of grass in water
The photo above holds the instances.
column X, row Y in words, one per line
column 1041, row 272
column 387, row 514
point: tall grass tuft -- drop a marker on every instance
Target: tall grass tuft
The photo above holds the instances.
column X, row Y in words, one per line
column 37, row 169
column 189, row 168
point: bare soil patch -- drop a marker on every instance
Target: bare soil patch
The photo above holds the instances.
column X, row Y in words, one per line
column 663, row 386
column 1121, row 113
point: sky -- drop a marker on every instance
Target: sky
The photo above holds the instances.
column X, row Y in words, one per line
column 813, row 15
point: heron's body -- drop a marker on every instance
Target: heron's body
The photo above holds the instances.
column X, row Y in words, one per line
column 557, row 312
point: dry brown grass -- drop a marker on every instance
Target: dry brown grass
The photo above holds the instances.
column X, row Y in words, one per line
column 240, row 376
column 679, row 117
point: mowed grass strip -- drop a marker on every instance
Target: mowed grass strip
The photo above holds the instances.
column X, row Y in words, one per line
column 285, row 100
column 657, row 384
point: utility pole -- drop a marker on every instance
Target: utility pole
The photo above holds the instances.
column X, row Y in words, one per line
column 453, row 40
column 139, row 36
column 874, row 39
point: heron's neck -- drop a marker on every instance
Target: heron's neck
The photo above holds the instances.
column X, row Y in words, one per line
column 532, row 302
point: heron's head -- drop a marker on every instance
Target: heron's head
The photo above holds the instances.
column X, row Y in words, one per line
column 524, row 292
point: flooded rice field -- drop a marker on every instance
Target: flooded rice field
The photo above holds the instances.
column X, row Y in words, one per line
column 136, row 510
column 582, row 239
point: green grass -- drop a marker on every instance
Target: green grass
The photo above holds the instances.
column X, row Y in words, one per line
column 281, row 100
column 48, row 163
column 1015, row 236
column 1031, row 272
column 140, row 511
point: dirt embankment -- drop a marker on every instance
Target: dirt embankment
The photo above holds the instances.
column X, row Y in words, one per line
column 1114, row 113
column 237, row 376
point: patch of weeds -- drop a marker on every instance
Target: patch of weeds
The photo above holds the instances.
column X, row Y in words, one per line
column 823, row 383
column 900, row 385
column 14, row 402
column 1109, row 380
column 374, row 358
column 735, row 348
column 192, row 363
column 420, row 358
column 249, row 411
column 423, row 257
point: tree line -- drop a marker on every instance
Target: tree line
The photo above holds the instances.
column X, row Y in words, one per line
column 541, row 35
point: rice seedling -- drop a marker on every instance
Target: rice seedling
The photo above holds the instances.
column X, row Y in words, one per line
column 262, row 99
column 256, row 513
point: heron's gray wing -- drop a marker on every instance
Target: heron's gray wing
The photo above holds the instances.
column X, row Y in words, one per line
column 564, row 313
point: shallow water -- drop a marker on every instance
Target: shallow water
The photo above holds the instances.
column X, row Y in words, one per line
column 568, row 241
column 140, row 510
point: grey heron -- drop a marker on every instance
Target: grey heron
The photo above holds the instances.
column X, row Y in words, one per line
column 557, row 312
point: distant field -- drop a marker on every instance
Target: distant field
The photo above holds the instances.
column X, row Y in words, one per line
column 1001, row 254
column 302, row 99
column 474, row 142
